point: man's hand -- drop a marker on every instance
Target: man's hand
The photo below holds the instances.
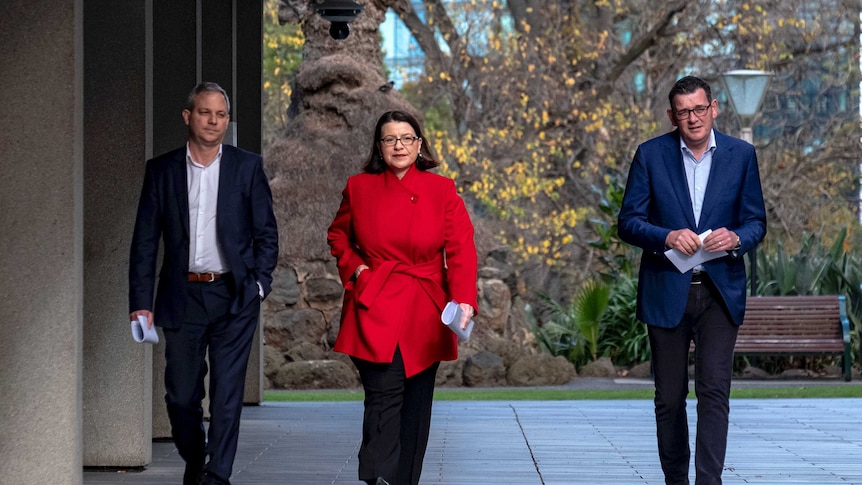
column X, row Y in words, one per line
column 721, row 240
column 133, row 317
column 684, row 240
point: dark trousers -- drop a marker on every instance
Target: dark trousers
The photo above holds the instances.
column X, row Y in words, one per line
column 397, row 421
column 208, row 327
column 707, row 323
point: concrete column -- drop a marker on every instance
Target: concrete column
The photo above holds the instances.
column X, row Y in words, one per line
column 217, row 51
column 117, row 388
column 253, row 393
column 41, row 244
column 248, row 85
column 175, row 70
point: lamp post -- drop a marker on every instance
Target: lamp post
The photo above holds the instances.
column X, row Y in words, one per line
column 745, row 90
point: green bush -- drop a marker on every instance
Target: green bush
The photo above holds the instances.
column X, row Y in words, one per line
column 625, row 338
column 601, row 321
column 574, row 330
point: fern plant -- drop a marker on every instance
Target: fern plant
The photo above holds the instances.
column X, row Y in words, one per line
column 574, row 330
column 625, row 338
column 589, row 308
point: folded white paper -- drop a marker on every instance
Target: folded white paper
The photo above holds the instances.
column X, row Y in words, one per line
column 684, row 262
column 451, row 317
column 141, row 333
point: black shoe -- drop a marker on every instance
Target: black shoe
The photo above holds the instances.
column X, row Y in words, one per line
column 377, row 481
column 209, row 478
column 193, row 474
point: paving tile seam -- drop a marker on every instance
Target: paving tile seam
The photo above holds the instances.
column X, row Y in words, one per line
column 527, row 443
column 341, row 472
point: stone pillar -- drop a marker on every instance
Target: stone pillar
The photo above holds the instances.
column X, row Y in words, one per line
column 41, row 244
column 117, row 388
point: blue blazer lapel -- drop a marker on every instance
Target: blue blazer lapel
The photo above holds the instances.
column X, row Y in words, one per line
column 676, row 173
column 181, row 188
column 226, row 178
column 719, row 176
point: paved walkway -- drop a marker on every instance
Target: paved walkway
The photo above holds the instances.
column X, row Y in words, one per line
column 772, row 441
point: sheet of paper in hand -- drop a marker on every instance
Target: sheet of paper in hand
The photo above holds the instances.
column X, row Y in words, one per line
column 451, row 317
column 142, row 334
column 684, row 262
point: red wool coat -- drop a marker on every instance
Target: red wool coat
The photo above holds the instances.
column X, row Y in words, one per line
column 403, row 230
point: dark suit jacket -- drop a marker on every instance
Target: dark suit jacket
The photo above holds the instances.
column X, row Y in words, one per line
column 245, row 225
column 657, row 201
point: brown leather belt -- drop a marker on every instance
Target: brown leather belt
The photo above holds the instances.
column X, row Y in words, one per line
column 204, row 277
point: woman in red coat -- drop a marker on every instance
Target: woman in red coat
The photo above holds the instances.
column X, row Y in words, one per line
column 404, row 245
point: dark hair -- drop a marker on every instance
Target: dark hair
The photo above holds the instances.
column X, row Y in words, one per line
column 688, row 85
column 375, row 163
column 206, row 87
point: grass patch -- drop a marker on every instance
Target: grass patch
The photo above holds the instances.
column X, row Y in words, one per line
column 540, row 394
column 797, row 392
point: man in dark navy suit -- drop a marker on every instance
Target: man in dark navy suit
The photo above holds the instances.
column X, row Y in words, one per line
column 211, row 206
column 680, row 185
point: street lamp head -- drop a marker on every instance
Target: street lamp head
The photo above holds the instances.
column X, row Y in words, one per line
column 745, row 90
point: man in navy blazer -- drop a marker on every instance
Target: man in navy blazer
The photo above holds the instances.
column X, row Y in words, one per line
column 211, row 206
column 680, row 185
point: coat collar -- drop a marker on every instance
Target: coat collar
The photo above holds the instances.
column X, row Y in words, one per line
column 181, row 187
column 718, row 176
column 226, row 178
column 676, row 171
column 227, row 174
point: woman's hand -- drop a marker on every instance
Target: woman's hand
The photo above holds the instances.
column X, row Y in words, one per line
column 466, row 314
column 359, row 269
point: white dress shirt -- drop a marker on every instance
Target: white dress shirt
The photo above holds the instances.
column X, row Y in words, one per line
column 205, row 255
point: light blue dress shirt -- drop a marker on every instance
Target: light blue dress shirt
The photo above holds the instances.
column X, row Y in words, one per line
column 697, row 175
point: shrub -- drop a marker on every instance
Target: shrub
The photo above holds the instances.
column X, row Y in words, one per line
column 625, row 338
column 574, row 331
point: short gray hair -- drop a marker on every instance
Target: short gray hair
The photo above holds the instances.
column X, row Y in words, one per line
column 206, row 87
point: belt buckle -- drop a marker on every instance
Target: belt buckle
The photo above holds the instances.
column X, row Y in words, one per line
column 202, row 277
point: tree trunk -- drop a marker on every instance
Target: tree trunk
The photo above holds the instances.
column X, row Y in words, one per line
column 339, row 92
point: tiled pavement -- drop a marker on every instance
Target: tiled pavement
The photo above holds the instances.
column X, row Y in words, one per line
column 772, row 441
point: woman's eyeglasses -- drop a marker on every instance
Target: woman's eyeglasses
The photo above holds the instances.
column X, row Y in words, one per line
column 390, row 141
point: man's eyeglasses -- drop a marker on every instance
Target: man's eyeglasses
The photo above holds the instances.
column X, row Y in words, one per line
column 698, row 111
column 390, row 141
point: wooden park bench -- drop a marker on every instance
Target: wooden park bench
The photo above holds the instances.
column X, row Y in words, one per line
column 796, row 325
